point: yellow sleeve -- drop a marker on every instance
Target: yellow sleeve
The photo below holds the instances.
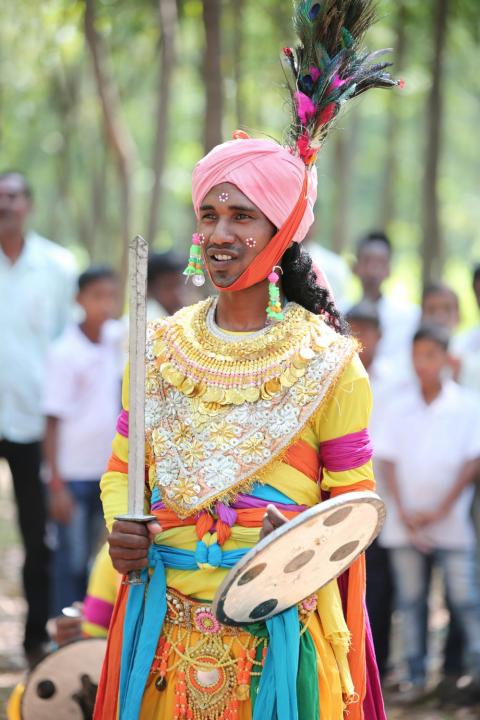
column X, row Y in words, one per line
column 347, row 411
column 114, row 482
column 101, row 594
column 14, row 703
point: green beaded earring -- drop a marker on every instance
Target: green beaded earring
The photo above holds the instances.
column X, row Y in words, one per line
column 194, row 268
column 274, row 308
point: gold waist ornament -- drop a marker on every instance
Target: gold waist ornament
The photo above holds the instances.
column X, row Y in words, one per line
column 212, row 665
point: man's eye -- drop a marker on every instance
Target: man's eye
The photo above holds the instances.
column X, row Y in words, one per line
column 208, row 216
column 242, row 216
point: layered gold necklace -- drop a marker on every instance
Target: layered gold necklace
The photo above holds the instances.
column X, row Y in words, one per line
column 203, row 361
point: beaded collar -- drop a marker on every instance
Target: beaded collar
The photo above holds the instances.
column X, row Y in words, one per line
column 202, row 361
column 217, row 331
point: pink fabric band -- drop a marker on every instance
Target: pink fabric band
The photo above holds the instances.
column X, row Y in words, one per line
column 347, row 452
column 97, row 611
column 122, row 424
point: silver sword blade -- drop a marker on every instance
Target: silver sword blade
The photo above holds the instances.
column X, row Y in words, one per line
column 137, row 276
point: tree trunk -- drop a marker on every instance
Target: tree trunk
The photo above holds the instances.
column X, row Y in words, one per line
column 432, row 236
column 212, row 73
column 167, row 17
column 238, row 44
column 387, row 212
column 117, row 134
column 64, row 94
column 98, row 206
column 344, row 152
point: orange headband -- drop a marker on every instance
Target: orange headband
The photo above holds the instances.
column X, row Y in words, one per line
column 260, row 268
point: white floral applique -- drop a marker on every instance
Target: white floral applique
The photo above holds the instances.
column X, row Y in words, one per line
column 203, row 454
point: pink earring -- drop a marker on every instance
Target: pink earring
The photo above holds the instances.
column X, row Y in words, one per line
column 274, row 307
column 250, row 242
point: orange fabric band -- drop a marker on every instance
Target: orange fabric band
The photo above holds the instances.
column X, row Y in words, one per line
column 248, row 517
column 356, row 614
column 106, row 706
column 271, row 254
column 117, row 465
column 303, row 458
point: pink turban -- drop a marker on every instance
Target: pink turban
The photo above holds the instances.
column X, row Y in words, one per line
column 266, row 172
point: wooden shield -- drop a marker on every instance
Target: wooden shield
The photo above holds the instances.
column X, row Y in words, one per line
column 63, row 681
column 299, row 558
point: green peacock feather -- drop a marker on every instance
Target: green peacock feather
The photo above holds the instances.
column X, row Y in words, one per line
column 329, row 66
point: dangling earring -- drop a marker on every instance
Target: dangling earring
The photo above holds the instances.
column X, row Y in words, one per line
column 274, row 309
column 194, row 268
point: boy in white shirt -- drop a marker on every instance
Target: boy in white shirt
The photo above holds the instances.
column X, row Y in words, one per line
column 82, row 401
column 430, row 444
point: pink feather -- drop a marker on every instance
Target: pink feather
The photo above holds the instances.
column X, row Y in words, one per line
column 305, row 107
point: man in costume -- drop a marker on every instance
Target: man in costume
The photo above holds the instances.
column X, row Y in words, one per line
column 251, row 414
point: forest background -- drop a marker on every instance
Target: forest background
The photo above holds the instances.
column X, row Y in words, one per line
column 106, row 105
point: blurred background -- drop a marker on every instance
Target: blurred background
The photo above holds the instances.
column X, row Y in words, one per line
column 107, row 104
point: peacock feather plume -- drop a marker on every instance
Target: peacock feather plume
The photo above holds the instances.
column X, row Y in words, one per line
column 329, row 66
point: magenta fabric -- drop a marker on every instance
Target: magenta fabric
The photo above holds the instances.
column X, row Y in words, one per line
column 244, row 502
column 347, row 452
column 97, row 611
column 122, row 424
column 373, row 706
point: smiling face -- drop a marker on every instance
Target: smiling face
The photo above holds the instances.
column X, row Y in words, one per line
column 235, row 232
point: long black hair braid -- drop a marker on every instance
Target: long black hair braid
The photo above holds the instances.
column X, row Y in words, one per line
column 299, row 283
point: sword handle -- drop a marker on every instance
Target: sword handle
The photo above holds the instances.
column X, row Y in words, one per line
column 134, row 577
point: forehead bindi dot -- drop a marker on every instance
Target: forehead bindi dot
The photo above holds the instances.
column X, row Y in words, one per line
column 223, row 197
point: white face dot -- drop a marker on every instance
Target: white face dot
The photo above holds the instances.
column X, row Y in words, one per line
column 250, row 242
column 223, row 197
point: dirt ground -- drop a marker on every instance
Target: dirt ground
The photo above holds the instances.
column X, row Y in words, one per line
column 12, row 608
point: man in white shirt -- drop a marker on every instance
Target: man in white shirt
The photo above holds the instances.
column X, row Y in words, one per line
column 429, row 441
column 82, row 403
column 36, row 292
column 398, row 320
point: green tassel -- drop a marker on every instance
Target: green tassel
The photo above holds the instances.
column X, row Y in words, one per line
column 274, row 307
column 194, row 268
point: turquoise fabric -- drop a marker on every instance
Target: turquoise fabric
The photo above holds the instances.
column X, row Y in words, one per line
column 277, row 691
column 141, row 631
column 269, row 493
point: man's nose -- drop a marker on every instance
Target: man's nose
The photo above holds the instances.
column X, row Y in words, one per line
column 222, row 233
